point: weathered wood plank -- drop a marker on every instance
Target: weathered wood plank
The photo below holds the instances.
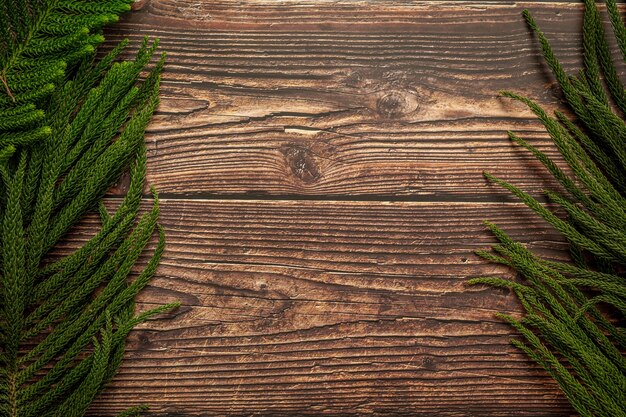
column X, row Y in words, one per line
column 313, row 307
column 339, row 307
column 390, row 99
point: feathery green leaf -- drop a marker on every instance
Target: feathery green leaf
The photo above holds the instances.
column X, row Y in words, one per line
column 578, row 344
column 70, row 125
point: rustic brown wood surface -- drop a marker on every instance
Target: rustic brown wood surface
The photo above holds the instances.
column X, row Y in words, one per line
column 320, row 166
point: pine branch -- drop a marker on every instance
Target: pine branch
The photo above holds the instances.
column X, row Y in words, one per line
column 578, row 344
column 40, row 40
column 69, row 127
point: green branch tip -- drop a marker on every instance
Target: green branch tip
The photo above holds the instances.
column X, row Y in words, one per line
column 489, row 224
column 489, row 176
column 529, row 19
column 97, row 38
column 507, row 93
column 481, row 281
column 505, row 317
column 513, row 136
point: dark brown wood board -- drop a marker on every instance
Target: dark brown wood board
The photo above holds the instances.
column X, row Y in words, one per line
column 320, row 164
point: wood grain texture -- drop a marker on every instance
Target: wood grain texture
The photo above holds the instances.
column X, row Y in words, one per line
column 385, row 99
column 309, row 308
column 320, row 163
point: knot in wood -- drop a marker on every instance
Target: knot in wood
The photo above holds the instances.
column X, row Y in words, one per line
column 355, row 79
column 395, row 104
column 302, row 162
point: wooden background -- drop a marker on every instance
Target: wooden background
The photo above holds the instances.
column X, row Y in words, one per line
column 320, row 166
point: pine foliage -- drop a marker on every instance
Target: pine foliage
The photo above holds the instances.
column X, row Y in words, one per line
column 39, row 41
column 575, row 310
column 69, row 127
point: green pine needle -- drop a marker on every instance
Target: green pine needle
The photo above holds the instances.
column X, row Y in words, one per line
column 580, row 345
column 69, row 127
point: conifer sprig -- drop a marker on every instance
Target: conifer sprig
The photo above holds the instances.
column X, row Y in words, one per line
column 564, row 330
column 64, row 322
column 40, row 42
